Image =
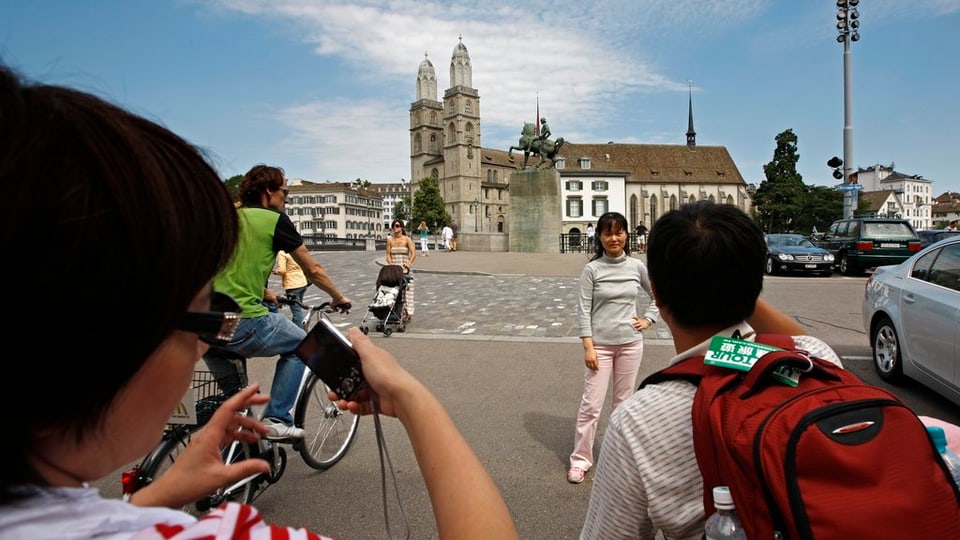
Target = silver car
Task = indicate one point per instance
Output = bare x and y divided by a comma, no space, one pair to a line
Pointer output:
911,312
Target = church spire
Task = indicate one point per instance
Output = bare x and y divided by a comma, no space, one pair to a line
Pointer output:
691,134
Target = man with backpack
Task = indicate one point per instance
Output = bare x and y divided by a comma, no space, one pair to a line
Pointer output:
706,265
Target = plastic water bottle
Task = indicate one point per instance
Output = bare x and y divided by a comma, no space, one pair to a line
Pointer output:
724,523
949,457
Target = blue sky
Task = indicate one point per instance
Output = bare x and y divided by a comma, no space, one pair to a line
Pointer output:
323,88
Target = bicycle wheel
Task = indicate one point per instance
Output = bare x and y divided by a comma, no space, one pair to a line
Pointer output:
328,430
167,453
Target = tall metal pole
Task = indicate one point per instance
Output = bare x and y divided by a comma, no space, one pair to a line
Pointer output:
850,197
847,25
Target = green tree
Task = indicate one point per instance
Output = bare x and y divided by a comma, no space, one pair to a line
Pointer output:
358,183
779,199
428,206
401,209
821,206
233,186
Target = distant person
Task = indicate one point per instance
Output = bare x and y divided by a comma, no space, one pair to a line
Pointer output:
641,237
446,234
293,281
952,226
424,245
590,237
706,264
127,179
453,237
266,231
401,251
610,330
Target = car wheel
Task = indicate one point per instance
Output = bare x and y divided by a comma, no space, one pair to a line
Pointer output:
847,267
770,266
886,351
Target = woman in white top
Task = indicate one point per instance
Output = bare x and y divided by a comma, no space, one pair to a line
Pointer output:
610,330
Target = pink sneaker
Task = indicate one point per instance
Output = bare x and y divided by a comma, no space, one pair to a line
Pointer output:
575,475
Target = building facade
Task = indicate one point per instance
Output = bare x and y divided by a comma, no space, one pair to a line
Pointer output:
335,210
639,180
914,191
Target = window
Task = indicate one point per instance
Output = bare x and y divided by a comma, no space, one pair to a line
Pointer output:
945,270
574,207
560,163
574,185
600,207
585,163
417,144
599,185
433,143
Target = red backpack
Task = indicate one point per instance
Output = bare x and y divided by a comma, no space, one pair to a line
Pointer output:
831,457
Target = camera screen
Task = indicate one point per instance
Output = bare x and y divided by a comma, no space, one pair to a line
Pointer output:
328,354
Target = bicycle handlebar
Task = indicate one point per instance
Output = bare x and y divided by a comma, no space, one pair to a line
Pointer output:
325,307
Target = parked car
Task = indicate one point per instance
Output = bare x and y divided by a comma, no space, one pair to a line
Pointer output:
794,253
911,313
934,235
860,243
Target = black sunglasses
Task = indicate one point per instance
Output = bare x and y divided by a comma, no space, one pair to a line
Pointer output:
216,326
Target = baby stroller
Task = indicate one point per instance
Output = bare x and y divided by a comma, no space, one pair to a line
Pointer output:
387,306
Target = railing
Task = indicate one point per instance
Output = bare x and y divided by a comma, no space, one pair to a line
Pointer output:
326,243
578,243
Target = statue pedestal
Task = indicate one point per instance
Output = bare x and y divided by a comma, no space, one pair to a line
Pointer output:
535,212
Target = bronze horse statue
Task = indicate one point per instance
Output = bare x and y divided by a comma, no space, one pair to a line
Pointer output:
530,144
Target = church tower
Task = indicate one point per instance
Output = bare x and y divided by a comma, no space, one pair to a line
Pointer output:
460,185
426,126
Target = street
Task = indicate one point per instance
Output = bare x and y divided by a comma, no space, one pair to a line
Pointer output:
501,353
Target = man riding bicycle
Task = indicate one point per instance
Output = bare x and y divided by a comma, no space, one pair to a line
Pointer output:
265,229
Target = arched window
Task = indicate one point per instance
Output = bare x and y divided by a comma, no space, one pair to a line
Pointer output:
417,143
433,143
634,210
653,209
435,174
451,134
730,200
433,118
673,202
693,199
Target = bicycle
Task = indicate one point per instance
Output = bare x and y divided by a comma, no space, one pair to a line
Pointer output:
329,430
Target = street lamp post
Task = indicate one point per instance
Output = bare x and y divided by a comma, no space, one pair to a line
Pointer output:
848,24
475,205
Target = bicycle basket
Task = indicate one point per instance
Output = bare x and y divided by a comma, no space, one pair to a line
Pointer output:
207,392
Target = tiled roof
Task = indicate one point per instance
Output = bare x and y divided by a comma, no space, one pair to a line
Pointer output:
657,163
874,200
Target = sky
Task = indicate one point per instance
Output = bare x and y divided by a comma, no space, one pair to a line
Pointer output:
323,88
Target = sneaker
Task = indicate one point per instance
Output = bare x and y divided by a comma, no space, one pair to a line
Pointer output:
575,475
277,430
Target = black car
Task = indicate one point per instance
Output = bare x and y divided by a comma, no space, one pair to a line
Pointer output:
794,253
859,243
934,236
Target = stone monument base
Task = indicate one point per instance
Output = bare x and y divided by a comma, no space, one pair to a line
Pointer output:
535,212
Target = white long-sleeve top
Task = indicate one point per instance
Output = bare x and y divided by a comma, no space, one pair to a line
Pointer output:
611,294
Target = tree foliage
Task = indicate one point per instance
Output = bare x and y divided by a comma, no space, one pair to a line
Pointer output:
428,205
233,186
783,203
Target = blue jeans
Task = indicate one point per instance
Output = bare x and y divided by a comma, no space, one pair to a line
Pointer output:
296,311
270,335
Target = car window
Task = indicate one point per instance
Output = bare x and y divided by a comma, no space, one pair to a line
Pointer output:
887,229
921,267
805,243
946,268
835,228
852,229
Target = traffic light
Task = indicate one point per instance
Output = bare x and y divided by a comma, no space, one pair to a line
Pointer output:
836,163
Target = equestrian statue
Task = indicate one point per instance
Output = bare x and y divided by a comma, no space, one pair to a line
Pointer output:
540,146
